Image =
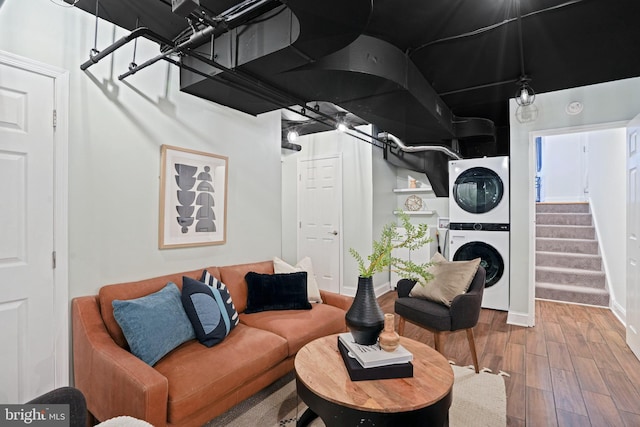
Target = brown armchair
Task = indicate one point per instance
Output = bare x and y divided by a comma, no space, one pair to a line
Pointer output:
438,318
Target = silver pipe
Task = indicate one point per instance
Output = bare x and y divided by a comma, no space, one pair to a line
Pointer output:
416,148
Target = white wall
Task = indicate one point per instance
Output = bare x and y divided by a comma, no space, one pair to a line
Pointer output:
384,176
608,196
564,168
357,197
115,133
604,103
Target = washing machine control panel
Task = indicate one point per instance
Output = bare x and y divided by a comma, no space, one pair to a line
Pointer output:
478,226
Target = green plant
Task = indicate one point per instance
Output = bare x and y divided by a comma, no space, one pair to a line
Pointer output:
390,239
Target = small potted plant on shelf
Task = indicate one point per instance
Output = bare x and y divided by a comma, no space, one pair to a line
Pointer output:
365,318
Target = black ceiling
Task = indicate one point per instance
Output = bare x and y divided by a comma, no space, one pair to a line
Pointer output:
468,51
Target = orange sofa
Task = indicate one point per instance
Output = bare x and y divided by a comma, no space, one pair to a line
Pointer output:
193,383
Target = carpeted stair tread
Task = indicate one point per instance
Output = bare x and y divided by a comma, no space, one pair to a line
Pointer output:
586,278
591,262
555,218
562,207
566,231
571,288
572,293
553,244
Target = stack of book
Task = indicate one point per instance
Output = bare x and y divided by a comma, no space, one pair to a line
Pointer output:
370,362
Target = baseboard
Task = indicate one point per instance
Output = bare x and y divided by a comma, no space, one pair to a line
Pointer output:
520,319
620,312
382,289
379,290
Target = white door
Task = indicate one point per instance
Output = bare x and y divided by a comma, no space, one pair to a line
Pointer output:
633,236
27,353
319,218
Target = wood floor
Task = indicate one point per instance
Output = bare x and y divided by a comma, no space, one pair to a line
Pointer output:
572,369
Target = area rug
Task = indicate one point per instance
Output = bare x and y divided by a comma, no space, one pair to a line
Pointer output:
479,400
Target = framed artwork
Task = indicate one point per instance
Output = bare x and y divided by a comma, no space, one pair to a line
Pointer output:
193,198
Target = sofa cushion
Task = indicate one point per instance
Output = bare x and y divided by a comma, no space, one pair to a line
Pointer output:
450,279
154,324
299,327
131,290
209,308
233,277
276,292
199,376
313,291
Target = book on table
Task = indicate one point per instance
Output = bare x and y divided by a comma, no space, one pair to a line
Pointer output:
371,356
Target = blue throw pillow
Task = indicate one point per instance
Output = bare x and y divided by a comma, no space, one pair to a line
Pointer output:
155,324
209,308
276,292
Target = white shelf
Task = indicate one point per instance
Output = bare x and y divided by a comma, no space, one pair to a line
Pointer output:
396,212
413,190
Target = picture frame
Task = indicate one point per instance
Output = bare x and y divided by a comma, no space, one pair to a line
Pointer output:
193,198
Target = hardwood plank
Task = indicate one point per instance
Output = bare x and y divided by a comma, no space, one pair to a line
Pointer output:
516,396
559,356
569,419
623,393
577,346
614,338
517,335
553,332
514,359
566,392
569,325
536,341
589,375
604,357
541,410
629,363
602,410
538,374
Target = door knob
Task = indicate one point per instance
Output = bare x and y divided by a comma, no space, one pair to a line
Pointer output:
334,232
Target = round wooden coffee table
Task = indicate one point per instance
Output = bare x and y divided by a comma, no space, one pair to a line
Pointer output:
323,383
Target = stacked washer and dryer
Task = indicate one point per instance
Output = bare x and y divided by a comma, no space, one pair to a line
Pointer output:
479,221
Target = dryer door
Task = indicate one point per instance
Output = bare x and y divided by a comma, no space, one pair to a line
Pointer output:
491,260
478,190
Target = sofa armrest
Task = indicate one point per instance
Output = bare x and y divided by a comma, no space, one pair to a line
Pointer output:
113,381
336,300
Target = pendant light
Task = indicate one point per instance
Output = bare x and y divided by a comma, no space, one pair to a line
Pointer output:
524,95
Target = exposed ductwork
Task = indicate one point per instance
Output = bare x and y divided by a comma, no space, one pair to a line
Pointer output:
268,55
420,148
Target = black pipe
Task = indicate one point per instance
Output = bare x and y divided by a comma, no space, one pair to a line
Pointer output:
138,32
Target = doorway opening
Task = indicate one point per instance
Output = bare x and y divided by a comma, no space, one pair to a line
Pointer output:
579,186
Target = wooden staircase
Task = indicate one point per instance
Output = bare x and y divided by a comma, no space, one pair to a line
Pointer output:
568,265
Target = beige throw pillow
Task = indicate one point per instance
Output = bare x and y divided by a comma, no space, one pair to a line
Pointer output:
313,291
450,279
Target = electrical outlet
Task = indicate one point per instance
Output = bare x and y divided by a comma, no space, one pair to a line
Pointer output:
443,222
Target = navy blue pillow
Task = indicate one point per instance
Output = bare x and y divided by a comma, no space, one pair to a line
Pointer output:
209,309
277,292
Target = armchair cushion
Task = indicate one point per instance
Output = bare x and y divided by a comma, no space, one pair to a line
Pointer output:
450,279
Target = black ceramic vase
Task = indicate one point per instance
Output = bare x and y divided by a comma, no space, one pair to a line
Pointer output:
365,319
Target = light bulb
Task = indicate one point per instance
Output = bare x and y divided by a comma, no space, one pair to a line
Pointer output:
292,136
342,127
